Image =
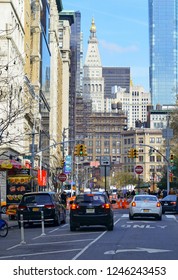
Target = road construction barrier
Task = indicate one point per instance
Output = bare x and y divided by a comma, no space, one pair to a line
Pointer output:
69,199
119,203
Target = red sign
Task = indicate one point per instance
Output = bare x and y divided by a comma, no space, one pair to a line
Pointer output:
62,177
138,169
42,178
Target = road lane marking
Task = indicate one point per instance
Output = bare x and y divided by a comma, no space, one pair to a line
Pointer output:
40,253
170,217
57,242
125,215
70,234
137,249
15,246
91,243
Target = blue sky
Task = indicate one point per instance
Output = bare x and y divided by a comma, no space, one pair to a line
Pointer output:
122,32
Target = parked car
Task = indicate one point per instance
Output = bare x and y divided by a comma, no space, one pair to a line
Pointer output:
91,209
3,207
145,206
170,203
32,204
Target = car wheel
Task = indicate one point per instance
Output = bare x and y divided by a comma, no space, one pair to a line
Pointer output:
73,227
56,220
110,226
3,209
130,217
159,218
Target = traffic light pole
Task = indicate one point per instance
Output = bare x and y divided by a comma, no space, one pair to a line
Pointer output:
166,158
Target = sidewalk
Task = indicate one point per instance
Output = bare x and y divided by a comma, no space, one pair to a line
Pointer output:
11,223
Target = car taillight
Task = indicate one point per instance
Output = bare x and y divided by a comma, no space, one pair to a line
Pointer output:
133,204
22,207
173,202
105,205
74,206
158,204
49,206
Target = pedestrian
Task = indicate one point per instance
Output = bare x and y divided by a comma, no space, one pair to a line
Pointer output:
64,198
133,192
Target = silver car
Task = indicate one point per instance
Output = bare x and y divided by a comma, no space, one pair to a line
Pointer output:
145,206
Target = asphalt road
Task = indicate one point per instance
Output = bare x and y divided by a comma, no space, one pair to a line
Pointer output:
140,239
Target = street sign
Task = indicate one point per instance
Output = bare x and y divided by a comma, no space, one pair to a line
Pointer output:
138,169
105,160
62,177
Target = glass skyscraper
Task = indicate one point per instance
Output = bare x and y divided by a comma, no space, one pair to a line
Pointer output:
163,39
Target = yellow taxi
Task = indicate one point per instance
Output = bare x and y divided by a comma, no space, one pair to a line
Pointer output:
3,207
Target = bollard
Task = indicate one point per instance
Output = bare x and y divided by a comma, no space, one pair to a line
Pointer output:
22,230
42,223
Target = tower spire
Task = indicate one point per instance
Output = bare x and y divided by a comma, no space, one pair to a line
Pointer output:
92,29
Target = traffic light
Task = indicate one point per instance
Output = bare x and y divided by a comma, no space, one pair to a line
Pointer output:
171,158
135,153
62,162
76,151
81,150
85,150
130,153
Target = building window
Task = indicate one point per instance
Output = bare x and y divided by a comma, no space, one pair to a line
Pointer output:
152,168
152,158
140,140
152,140
158,140
98,150
158,158
106,150
106,143
90,151
90,143
140,158
159,168
98,143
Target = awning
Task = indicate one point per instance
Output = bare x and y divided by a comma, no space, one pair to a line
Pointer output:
10,163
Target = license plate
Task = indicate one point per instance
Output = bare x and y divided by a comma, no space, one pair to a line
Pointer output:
35,209
145,210
90,211
165,203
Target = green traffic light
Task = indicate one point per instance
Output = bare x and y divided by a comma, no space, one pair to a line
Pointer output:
81,150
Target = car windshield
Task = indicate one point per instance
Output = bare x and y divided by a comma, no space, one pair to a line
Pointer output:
90,198
146,197
39,199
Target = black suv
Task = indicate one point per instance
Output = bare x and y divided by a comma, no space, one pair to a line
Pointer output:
33,203
91,209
